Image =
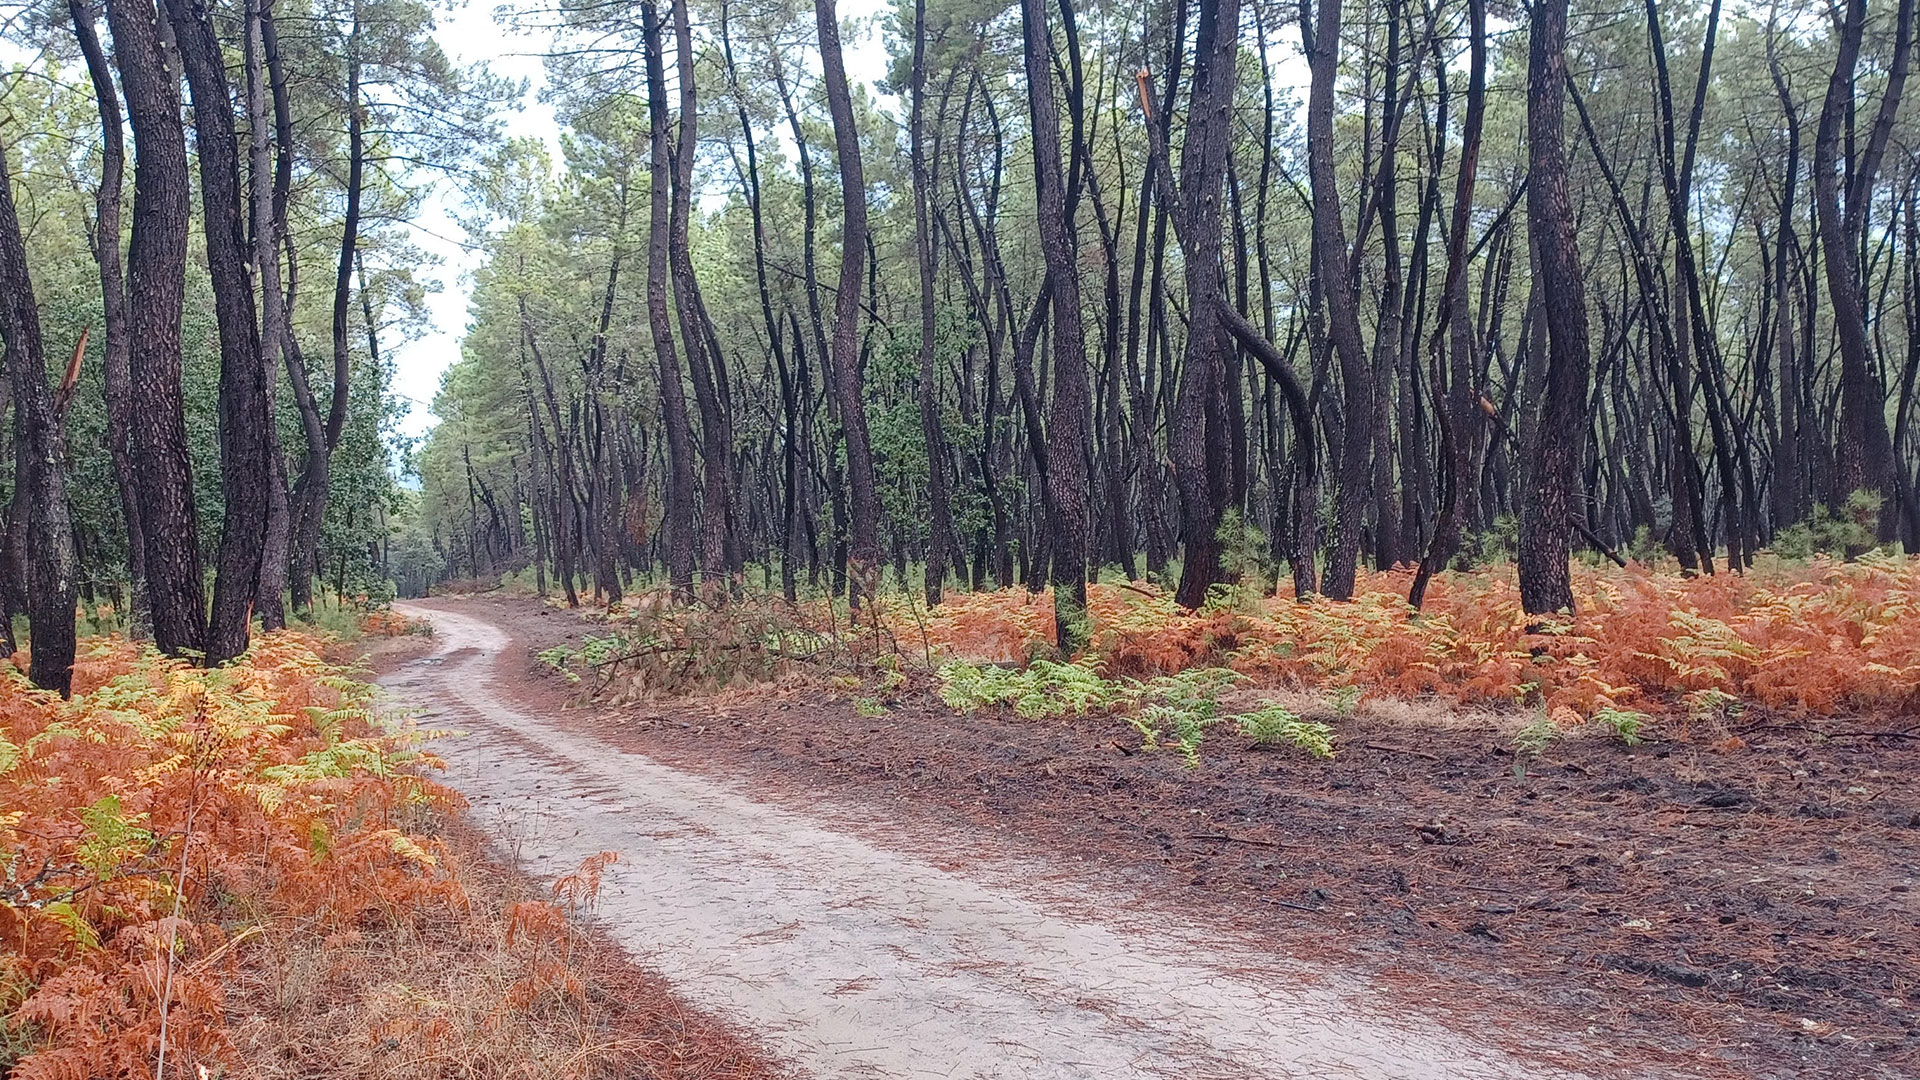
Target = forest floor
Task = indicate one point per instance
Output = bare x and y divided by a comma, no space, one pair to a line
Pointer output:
1673,909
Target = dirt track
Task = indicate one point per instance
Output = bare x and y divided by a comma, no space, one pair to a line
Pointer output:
854,960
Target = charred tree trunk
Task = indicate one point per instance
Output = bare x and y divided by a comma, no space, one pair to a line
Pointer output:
716,428
1866,447
863,557
1342,301
117,372
1067,417
156,268
1545,543
40,469
1455,394
940,527
679,483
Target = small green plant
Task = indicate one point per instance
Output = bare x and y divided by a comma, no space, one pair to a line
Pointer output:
1532,741
1344,700
1625,724
1171,710
1245,559
1539,734
1148,729
1710,705
557,658
869,707
1274,725
1188,730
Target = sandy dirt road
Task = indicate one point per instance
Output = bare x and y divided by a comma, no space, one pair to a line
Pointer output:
848,959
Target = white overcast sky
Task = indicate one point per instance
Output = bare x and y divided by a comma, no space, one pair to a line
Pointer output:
469,33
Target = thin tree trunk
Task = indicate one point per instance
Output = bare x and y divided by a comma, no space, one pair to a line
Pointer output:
940,527
1458,404
113,291
679,508
310,494
269,201
41,472
863,557
716,428
1343,308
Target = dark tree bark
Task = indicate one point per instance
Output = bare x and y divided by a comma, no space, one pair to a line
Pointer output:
310,493
1866,447
1458,398
790,397
1198,439
679,508
40,467
940,527
113,291
156,269
863,557
1545,543
268,225
1789,501
716,427
1067,416
1387,331
245,472
1342,302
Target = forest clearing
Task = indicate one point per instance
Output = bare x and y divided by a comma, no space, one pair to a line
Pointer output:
751,538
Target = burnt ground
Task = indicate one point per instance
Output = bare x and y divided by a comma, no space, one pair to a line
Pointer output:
1737,906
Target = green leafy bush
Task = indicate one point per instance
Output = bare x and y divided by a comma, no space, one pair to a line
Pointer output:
1855,529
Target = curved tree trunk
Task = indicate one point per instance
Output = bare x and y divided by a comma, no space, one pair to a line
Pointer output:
863,556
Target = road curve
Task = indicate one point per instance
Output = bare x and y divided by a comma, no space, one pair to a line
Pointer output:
847,959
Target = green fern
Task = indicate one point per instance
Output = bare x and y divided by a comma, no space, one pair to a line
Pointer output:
1625,724
1274,725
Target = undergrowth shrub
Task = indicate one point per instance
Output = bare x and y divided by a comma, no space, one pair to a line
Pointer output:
386,622
1174,710
1274,725
654,648
158,823
1817,638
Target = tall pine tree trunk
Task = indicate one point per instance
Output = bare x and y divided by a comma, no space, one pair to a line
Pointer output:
41,473
1545,543
156,278
863,556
